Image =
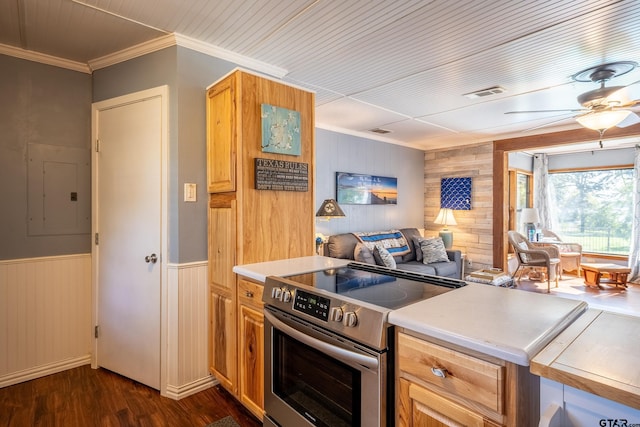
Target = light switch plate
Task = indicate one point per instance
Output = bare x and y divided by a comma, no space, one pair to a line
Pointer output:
189,192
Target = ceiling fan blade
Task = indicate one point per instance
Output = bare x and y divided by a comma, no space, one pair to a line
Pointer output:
579,110
629,104
631,119
546,124
624,94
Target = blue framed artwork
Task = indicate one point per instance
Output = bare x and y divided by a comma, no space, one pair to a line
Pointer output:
358,189
455,193
280,130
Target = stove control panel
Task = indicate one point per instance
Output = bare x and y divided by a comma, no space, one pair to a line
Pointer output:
311,304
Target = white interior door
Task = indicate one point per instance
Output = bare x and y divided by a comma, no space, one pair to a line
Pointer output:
128,221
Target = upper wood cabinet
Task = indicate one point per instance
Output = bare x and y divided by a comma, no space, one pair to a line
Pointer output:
221,136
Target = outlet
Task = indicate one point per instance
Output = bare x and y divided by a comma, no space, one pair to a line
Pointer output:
468,262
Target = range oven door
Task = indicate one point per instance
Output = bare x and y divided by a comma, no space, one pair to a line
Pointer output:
315,378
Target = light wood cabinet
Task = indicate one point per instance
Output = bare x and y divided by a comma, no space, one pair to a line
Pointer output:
247,225
222,308
251,345
221,136
439,384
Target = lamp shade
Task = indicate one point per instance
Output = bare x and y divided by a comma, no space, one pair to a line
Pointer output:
329,208
530,216
601,120
445,217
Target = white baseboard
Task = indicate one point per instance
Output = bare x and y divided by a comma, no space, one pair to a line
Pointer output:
180,392
43,370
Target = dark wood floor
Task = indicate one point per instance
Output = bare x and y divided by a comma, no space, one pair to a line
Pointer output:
97,397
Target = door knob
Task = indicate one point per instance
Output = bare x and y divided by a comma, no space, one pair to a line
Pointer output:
151,258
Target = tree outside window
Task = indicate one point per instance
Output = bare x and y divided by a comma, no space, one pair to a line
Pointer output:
594,208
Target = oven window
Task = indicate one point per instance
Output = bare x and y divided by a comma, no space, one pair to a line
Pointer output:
322,389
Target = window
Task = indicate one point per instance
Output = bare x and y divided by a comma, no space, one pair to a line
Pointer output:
593,208
520,196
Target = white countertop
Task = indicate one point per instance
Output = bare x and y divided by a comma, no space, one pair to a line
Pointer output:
510,324
260,270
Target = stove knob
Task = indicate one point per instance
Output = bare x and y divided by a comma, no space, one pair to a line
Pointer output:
350,319
285,296
336,314
276,293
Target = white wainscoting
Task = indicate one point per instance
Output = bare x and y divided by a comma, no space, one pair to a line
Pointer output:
45,321
188,328
45,316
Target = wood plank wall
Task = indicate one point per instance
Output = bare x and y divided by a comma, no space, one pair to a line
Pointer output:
473,234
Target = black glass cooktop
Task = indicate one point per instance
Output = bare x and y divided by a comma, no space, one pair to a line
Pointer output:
388,288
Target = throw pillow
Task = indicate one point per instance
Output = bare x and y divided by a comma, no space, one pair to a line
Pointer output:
433,250
416,244
383,257
363,254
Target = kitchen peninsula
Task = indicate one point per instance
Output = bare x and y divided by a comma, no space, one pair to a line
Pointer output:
491,333
483,343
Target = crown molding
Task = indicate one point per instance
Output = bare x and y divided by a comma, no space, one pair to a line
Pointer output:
42,58
135,51
227,55
144,49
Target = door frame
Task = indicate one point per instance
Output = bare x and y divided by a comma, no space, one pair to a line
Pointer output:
163,93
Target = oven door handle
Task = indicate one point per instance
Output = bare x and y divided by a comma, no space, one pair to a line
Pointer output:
329,349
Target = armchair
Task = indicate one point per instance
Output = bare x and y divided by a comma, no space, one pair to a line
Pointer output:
528,255
570,253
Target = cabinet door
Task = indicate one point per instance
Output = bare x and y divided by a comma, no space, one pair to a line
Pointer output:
221,136
222,308
251,359
419,407
222,242
222,342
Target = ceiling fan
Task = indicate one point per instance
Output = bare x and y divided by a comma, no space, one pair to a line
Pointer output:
603,107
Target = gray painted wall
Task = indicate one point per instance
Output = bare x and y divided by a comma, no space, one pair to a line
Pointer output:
187,73
46,105
337,152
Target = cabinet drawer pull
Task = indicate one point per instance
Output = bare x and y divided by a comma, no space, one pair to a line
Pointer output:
439,372
248,294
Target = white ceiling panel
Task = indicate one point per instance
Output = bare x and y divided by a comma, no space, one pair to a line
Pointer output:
402,65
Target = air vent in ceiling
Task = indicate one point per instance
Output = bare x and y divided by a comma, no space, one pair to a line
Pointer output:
380,131
485,92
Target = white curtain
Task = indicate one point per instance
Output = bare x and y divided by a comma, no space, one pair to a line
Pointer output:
541,190
634,250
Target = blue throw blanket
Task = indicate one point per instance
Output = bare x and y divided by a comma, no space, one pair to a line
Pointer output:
392,240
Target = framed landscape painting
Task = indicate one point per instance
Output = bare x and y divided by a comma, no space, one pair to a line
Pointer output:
359,189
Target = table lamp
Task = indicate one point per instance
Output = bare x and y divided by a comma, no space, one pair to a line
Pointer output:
530,217
329,209
445,217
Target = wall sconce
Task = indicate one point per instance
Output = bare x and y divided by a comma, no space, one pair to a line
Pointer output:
329,209
445,217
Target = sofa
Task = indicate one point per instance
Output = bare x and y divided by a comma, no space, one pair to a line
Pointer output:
344,246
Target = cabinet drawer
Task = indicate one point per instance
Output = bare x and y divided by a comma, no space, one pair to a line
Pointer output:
465,376
250,292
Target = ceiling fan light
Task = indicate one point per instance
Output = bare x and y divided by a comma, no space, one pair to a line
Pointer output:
601,120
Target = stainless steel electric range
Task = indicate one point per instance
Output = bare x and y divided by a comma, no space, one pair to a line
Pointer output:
328,345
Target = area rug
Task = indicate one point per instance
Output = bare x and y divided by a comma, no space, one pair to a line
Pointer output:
224,422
